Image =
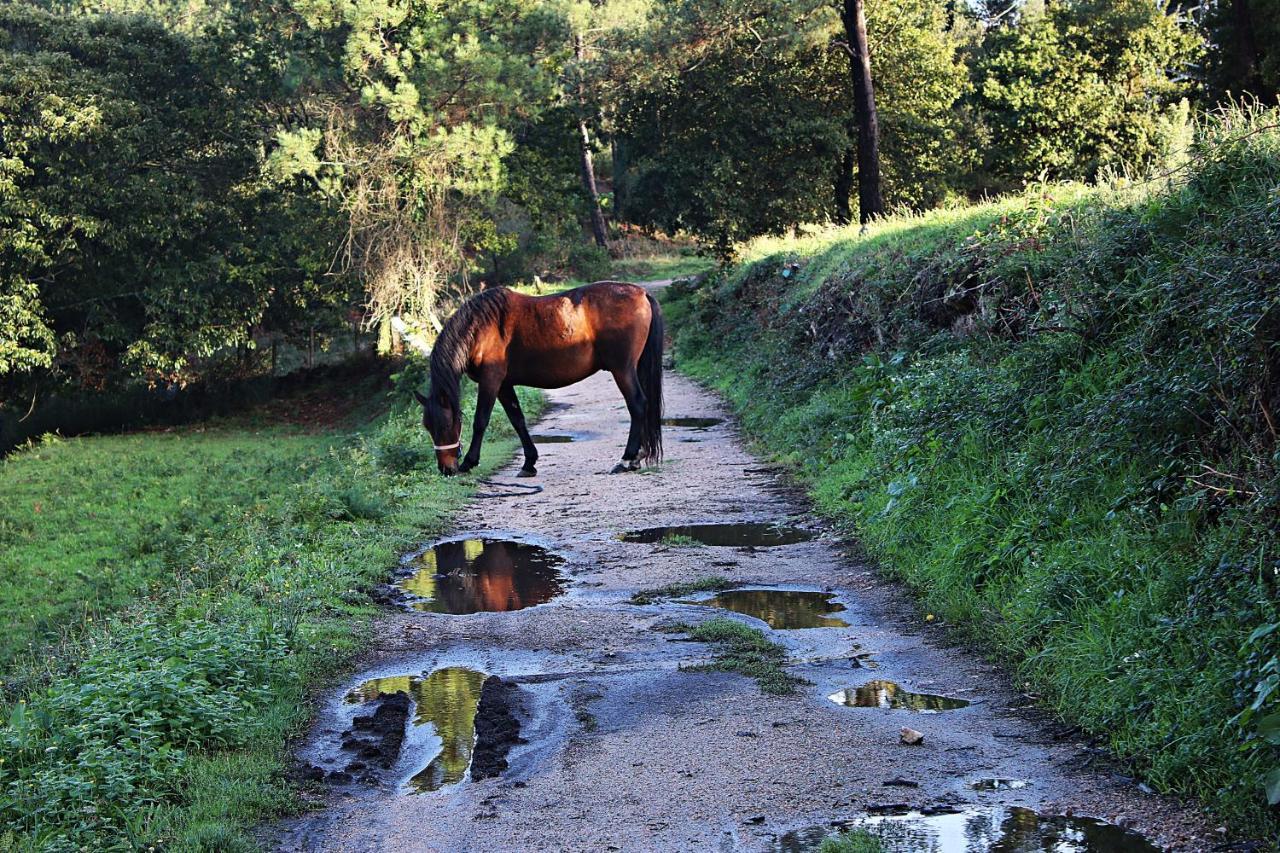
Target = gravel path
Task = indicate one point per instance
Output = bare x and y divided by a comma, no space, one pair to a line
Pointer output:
625,751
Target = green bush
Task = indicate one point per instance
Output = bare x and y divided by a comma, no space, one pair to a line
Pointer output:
1055,416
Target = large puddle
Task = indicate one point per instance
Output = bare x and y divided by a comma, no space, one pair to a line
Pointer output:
780,608
444,714
996,830
759,534
483,575
891,696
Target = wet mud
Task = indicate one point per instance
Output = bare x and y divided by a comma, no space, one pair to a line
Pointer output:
497,728
748,534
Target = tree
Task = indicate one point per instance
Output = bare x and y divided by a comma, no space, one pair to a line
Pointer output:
865,117
1087,85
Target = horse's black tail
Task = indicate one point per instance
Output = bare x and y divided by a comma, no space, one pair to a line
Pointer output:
650,370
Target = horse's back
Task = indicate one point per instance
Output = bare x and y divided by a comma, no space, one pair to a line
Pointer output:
565,337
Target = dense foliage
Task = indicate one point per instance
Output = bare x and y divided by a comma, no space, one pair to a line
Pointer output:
1055,416
181,182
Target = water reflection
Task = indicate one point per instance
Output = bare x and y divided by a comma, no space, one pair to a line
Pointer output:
891,695
781,608
483,575
760,534
446,700
993,830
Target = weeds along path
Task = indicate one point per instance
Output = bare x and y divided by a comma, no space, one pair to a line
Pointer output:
625,747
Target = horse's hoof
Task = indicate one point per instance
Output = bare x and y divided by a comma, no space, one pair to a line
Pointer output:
625,467
528,472
467,466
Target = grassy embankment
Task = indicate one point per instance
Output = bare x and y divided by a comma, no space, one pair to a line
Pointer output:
178,596
1055,417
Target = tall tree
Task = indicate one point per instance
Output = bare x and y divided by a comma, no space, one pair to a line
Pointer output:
588,170
865,117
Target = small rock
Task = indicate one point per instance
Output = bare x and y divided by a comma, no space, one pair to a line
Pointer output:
756,819
900,783
911,737
746,734
339,777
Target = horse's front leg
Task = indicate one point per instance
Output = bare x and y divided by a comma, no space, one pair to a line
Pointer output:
485,398
511,405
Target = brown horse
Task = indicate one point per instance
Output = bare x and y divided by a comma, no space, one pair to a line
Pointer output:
502,339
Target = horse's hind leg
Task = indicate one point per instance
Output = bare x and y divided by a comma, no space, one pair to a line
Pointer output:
629,384
511,405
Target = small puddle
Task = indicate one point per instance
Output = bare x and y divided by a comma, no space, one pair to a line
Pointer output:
998,784
445,701
550,438
1007,830
890,695
759,534
692,423
483,575
780,608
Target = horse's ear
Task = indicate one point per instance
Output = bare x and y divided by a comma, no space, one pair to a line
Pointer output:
418,394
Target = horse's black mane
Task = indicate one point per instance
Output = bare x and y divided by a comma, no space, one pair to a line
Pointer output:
453,347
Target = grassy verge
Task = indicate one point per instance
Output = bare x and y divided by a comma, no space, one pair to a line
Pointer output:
234,563
745,650
679,590
1054,416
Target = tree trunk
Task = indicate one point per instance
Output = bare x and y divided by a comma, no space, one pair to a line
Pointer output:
1246,46
870,202
598,229
843,187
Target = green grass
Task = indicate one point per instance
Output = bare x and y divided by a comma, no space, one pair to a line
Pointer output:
88,526
1054,416
664,266
854,841
710,583
165,721
745,650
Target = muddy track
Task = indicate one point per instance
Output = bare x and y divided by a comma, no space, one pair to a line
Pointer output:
618,748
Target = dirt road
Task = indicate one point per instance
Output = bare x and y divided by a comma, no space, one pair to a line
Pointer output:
625,750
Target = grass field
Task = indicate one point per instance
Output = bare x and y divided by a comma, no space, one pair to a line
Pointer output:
1055,417
180,595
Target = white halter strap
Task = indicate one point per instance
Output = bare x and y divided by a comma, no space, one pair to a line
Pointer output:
453,446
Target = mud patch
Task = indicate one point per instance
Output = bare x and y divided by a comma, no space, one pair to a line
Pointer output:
549,438
482,575
375,738
497,727
781,608
692,423
755,534
891,696
1007,830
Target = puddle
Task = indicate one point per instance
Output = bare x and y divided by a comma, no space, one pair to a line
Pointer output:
692,423
998,784
483,575
890,695
1006,830
549,438
760,534
444,717
780,608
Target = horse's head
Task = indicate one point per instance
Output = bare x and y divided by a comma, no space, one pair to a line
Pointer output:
443,422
